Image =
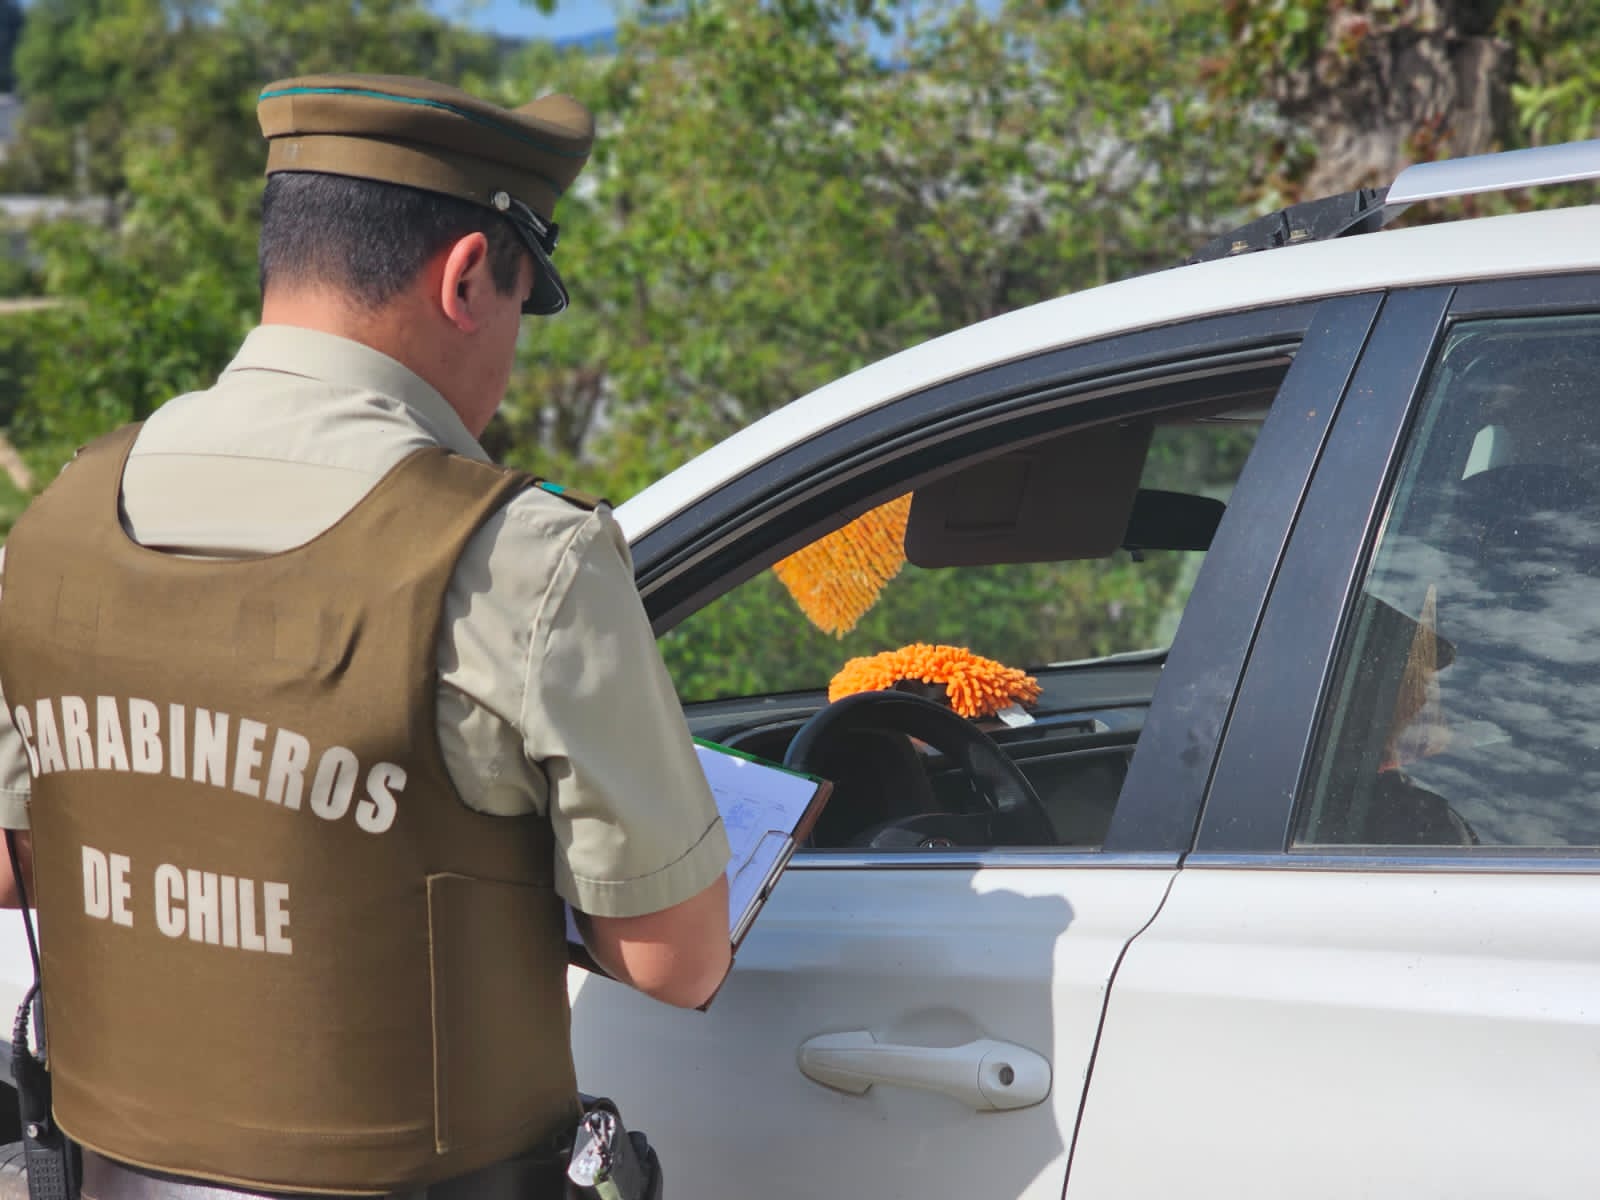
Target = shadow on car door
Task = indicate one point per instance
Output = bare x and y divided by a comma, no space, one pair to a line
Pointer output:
880,1019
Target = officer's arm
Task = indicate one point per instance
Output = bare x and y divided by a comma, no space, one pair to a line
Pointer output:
678,955
9,897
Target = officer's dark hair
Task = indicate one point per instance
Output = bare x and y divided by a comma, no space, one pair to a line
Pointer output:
369,239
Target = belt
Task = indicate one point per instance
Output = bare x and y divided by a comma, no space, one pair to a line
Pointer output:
525,1178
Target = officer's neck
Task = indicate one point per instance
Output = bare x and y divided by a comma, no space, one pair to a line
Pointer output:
401,329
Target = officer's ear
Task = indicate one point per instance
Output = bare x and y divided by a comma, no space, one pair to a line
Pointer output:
466,282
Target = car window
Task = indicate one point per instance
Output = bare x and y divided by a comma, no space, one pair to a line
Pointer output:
1465,710
1069,621
756,639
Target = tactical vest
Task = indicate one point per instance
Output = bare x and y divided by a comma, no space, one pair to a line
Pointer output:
279,952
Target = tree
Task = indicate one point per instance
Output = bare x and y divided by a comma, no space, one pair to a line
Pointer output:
772,204
104,78
1556,89
1373,85
783,205
157,301
79,64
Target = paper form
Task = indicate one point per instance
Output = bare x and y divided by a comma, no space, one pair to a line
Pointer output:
760,805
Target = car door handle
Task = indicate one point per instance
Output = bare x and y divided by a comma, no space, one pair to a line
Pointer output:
986,1075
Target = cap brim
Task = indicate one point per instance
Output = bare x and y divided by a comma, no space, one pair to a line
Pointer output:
549,295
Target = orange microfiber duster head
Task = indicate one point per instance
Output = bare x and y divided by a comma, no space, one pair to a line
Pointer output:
837,578
975,686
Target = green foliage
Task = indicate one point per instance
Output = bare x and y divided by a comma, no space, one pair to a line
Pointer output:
108,81
20,333
1319,36
12,502
1286,46
18,276
158,301
754,640
771,206
131,340
1557,91
78,64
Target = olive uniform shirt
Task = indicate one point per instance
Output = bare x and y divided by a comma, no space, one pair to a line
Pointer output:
552,695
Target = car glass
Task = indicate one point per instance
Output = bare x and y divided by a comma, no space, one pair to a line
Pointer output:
1464,710
756,640
1092,631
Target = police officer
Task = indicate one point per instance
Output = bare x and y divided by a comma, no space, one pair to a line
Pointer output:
317,717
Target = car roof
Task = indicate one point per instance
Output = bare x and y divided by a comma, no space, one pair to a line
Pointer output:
1561,240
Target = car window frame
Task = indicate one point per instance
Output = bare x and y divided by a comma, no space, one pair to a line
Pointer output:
774,507
1265,758
1183,729
1159,804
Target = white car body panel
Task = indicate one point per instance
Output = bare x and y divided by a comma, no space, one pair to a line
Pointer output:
16,971
917,956
1521,244
1424,1035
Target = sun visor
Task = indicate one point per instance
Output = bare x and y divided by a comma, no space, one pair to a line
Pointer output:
1069,497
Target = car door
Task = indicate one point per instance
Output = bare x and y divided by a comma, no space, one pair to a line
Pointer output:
1377,973
922,1023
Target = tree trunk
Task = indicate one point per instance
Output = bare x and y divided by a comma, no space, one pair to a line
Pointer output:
1386,92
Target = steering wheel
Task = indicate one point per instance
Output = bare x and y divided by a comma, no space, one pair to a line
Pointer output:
1010,814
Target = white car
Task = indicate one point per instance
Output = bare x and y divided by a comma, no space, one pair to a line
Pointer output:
1297,894
1288,882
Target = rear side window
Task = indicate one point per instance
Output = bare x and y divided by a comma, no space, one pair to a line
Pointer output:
1465,709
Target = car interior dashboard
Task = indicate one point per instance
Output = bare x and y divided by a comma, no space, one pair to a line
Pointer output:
1074,752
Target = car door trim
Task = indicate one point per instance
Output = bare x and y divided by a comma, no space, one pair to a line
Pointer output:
1265,746
694,540
1540,296
1443,860
1160,800
995,860
792,515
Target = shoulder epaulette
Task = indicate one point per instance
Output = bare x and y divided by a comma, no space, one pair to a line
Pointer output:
581,499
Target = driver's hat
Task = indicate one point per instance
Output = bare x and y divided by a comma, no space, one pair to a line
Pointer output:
397,129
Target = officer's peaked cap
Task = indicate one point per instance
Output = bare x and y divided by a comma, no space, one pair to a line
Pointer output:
396,129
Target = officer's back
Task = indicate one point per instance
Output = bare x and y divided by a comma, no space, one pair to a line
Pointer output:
318,718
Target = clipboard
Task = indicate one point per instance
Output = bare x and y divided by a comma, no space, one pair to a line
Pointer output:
767,810
760,854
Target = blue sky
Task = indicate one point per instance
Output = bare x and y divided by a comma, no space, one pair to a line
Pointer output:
571,18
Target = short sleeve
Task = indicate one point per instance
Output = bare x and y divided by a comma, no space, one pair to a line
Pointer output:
15,785
636,827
